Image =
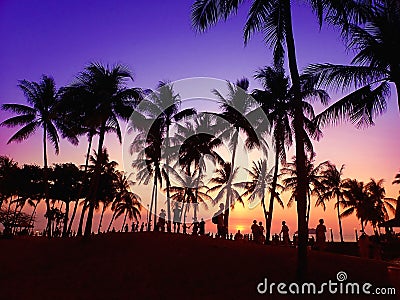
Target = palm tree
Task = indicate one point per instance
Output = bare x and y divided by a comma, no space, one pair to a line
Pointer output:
188,191
313,176
355,200
375,65
65,187
238,110
148,164
223,181
332,186
8,170
381,204
163,106
273,18
276,100
261,181
104,89
43,112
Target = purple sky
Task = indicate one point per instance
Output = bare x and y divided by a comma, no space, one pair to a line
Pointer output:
156,41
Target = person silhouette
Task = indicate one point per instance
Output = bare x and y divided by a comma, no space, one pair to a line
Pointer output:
126,228
177,218
320,235
220,223
285,234
142,227
202,227
255,230
161,220
261,233
195,224
238,236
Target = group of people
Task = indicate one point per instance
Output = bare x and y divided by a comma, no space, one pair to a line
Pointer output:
320,233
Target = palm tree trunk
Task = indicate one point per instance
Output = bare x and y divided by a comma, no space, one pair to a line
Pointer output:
168,184
95,182
268,215
308,206
64,233
228,190
32,215
101,217
72,217
340,220
155,204
301,191
151,204
123,223
80,226
112,220
46,181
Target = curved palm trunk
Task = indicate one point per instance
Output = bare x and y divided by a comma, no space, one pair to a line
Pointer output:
95,182
155,204
151,204
301,192
112,220
268,215
46,181
32,215
101,217
168,185
72,217
123,223
64,233
80,226
340,220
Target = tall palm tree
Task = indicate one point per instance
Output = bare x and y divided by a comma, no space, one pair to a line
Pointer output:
223,183
163,106
332,186
148,163
375,65
43,98
239,111
276,100
262,181
273,18
313,176
129,206
109,99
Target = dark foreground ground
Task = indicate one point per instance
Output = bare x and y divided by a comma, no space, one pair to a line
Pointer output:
163,266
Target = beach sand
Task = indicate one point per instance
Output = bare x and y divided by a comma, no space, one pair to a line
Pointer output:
165,266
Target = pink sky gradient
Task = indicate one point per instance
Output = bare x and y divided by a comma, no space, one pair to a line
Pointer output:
157,43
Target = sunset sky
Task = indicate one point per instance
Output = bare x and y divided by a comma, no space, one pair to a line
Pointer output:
156,41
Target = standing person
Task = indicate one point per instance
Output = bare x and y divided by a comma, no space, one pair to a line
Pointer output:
142,227
126,228
133,227
195,225
177,218
202,227
255,230
220,221
285,234
161,220
261,238
320,235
